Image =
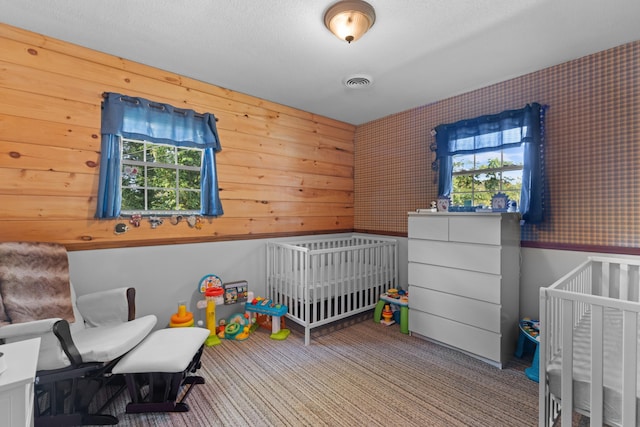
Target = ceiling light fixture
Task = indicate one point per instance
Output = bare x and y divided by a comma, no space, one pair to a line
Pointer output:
350,19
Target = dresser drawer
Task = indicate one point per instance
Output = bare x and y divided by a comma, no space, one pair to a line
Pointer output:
432,227
481,229
467,256
480,314
468,338
470,284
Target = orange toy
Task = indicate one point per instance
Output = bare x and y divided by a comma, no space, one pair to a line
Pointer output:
387,314
182,318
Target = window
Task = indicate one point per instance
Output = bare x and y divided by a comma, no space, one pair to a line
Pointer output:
159,178
477,158
478,176
156,158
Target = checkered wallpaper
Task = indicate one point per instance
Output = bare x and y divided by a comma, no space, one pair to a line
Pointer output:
593,193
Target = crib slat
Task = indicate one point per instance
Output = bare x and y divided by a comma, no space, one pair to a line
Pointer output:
318,277
362,256
624,282
303,292
566,392
543,394
634,284
597,360
605,279
629,367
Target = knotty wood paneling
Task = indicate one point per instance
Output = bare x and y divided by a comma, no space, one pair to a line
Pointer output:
281,171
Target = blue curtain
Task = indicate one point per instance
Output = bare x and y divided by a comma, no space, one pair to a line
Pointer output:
138,118
510,128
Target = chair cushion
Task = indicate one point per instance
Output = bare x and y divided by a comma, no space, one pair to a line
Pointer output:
106,343
31,273
166,350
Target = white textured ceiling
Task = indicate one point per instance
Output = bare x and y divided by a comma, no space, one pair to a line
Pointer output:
418,51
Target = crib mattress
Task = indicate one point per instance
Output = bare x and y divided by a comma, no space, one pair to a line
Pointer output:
612,376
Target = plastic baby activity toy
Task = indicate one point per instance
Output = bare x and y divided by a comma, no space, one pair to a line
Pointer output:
276,311
258,312
211,286
182,318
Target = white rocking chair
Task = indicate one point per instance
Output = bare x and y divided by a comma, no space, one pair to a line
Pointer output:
81,338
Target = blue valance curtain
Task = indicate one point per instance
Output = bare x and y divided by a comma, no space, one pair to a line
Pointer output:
510,128
138,118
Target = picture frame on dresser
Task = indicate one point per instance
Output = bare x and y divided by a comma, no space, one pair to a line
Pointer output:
443,204
499,202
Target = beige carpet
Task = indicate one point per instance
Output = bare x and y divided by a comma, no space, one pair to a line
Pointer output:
355,374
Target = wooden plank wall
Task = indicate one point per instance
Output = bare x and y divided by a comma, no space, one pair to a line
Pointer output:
281,171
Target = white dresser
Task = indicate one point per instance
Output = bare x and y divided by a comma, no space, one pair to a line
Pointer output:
464,281
16,382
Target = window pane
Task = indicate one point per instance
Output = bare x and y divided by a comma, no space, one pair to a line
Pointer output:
163,200
489,172
189,200
189,179
132,150
459,199
132,176
132,199
512,184
462,183
157,175
513,156
480,182
489,181
161,177
511,180
490,160
161,154
189,157
462,162
482,198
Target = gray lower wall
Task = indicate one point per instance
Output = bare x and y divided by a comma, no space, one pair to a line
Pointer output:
165,275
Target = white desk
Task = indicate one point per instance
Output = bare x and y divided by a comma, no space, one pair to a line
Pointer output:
16,383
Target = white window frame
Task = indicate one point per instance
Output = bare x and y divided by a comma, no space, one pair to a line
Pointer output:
473,172
144,164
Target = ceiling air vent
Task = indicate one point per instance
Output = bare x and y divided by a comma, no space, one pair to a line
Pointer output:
359,81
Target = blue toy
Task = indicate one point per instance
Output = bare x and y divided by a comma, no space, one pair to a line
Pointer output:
269,308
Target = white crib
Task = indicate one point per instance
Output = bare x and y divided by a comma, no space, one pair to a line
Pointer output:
324,280
589,339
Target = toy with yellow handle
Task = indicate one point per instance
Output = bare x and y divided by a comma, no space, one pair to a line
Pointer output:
212,294
211,286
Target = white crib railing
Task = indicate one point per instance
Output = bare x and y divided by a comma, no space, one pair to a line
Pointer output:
597,284
323,280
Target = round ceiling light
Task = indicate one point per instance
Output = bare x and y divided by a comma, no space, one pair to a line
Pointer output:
350,19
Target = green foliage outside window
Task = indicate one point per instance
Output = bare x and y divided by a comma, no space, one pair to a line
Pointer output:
477,177
158,177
